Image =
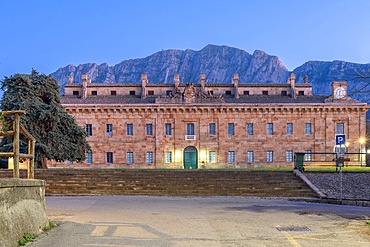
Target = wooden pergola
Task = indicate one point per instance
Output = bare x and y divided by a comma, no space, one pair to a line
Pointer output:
16,155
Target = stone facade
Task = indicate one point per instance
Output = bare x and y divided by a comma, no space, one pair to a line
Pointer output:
195,125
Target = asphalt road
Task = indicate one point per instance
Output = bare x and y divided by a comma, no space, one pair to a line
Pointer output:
114,221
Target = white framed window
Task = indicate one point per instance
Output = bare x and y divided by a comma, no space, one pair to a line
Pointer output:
88,129
270,129
289,129
109,130
212,129
168,157
168,127
89,158
270,156
230,157
130,157
149,157
149,129
308,155
250,129
250,156
230,129
110,157
308,128
130,129
190,129
289,156
212,156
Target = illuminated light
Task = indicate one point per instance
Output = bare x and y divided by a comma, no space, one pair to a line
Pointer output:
362,140
368,151
203,155
178,156
347,144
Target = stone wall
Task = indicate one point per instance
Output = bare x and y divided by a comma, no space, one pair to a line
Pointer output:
22,209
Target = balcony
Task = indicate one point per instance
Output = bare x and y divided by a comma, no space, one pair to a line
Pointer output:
190,137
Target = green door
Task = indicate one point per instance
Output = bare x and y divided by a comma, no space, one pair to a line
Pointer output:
190,158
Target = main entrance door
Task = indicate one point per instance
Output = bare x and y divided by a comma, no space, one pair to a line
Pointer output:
190,158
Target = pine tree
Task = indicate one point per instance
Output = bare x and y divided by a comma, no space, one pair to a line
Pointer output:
58,137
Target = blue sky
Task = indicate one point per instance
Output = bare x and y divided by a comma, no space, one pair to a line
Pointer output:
46,35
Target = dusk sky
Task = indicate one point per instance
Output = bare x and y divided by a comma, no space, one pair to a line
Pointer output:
46,35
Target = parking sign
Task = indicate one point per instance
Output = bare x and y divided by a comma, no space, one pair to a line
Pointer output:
340,139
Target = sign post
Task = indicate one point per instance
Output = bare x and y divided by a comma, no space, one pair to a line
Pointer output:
340,150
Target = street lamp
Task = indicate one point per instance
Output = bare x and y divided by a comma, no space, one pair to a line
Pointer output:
362,141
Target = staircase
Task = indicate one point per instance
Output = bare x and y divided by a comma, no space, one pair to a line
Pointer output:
170,182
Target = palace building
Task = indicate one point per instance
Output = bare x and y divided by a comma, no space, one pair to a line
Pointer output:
198,125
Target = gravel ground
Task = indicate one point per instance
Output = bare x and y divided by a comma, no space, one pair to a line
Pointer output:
354,185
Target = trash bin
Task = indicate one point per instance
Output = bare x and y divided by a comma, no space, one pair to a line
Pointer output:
298,161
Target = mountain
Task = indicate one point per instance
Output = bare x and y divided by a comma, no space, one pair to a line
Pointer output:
219,63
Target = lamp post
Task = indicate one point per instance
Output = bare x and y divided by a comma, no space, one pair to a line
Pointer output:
362,141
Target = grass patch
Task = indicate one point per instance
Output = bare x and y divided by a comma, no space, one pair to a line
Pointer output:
27,238
333,169
368,223
30,237
51,225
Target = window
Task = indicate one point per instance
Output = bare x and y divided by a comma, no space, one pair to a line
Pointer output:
109,130
89,129
212,129
76,93
190,129
284,93
212,157
230,157
270,156
89,158
230,129
109,157
130,130
168,157
289,129
132,92
149,157
301,93
340,128
250,129
250,156
308,155
289,156
168,129
308,129
169,92
211,92
150,92
265,92
149,129
270,129
246,92
94,92
130,157
228,92
113,92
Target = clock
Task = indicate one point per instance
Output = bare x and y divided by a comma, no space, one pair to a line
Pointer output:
339,93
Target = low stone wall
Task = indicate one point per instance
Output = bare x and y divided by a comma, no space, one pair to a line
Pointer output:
22,209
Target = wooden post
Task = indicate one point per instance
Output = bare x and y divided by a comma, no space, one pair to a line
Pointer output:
16,146
31,161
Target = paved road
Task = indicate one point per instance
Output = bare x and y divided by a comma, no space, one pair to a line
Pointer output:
117,221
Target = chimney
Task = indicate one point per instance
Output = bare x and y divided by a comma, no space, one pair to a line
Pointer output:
235,82
144,82
202,82
176,79
70,79
291,81
84,85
